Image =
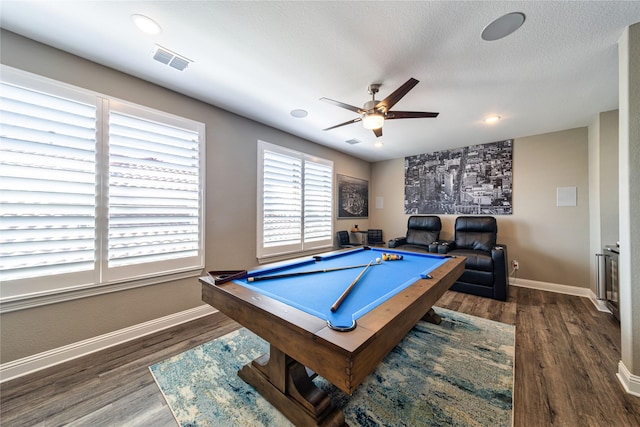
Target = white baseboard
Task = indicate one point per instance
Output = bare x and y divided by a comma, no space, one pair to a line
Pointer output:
551,287
630,382
36,362
601,305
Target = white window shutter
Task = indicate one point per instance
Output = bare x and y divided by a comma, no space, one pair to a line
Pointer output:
318,207
281,201
47,184
154,199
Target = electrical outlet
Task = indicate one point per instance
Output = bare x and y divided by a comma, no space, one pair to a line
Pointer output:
515,264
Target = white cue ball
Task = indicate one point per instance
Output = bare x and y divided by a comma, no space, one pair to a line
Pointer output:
378,260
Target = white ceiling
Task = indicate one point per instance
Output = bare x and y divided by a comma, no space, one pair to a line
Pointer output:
263,59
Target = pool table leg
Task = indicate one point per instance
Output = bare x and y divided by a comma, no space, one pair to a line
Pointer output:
286,384
432,317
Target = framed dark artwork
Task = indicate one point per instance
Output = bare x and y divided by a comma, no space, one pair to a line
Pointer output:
353,197
473,180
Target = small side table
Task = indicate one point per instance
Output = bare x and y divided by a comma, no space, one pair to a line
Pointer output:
363,235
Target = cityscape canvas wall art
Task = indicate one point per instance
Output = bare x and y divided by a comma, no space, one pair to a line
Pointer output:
473,180
353,197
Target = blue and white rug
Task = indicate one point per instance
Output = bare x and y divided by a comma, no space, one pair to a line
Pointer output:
458,373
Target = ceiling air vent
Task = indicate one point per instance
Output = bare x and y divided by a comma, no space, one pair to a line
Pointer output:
353,141
169,58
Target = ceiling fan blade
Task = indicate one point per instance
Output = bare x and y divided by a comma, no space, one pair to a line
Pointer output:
409,115
397,95
378,132
356,120
342,105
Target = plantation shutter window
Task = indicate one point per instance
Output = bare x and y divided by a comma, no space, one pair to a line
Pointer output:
318,192
47,185
154,192
94,191
282,195
295,201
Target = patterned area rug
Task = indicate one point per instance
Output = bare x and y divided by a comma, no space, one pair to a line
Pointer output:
458,373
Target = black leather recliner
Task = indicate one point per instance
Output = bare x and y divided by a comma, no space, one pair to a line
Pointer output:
423,233
486,269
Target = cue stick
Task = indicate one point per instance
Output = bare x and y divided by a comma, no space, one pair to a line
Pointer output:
336,304
302,273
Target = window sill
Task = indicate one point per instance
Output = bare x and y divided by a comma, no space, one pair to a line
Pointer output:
23,302
293,255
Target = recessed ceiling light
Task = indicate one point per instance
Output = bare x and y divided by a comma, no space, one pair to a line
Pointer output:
379,143
503,26
146,24
492,119
299,114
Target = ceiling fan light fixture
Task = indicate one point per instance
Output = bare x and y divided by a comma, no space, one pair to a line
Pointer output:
374,113
372,121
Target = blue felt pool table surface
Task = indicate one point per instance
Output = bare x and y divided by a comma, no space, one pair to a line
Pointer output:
316,293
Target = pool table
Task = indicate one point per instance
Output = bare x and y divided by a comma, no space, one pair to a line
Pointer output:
292,311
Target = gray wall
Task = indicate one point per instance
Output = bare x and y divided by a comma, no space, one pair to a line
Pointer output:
231,200
551,243
609,200
603,189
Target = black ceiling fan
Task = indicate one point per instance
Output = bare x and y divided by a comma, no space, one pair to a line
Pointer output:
374,113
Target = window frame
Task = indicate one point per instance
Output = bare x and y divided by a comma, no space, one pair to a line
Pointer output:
31,292
262,252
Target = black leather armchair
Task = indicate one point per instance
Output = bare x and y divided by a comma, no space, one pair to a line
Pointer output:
423,233
344,240
486,269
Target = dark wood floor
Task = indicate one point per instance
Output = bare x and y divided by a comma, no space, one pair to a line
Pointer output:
566,360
